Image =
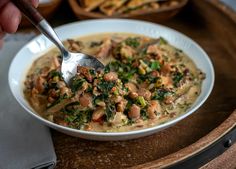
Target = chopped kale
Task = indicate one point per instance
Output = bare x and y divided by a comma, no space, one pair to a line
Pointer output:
132,42
162,41
144,114
92,72
55,73
105,86
61,97
94,44
177,77
160,94
76,84
89,89
141,101
155,65
101,97
79,118
110,111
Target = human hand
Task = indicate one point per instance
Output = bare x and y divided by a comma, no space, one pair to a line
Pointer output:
10,17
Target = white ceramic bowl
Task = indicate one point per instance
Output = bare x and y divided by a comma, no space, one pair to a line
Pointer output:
34,49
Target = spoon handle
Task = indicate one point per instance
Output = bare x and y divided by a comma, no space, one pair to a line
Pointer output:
40,23
29,11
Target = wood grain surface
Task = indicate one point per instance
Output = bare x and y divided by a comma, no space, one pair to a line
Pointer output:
213,26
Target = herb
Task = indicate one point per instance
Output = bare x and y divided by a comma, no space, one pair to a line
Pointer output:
110,111
177,77
141,101
105,86
160,94
69,109
149,77
92,72
162,41
107,68
132,42
79,118
101,97
76,84
126,76
144,114
155,65
61,97
55,73
70,118
94,44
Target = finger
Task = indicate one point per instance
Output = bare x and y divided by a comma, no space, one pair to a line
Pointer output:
35,3
10,18
3,2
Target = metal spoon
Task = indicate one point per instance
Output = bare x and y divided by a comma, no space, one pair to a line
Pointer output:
70,61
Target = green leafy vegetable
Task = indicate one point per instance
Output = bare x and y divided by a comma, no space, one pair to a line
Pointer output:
133,42
160,94
110,111
162,41
76,84
177,77
105,86
141,101
79,118
155,65
144,114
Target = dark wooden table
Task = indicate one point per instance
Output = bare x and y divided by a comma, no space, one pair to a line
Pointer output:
213,26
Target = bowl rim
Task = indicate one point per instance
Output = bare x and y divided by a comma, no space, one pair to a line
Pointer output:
153,128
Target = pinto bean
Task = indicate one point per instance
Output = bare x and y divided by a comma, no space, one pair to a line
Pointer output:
134,112
154,49
117,99
98,114
145,93
105,49
133,95
85,71
111,76
51,100
39,84
61,84
65,90
153,108
85,100
131,87
127,51
166,69
167,81
121,106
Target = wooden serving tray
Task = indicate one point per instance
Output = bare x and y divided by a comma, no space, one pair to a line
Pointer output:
213,26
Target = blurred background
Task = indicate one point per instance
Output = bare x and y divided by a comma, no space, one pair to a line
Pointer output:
60,11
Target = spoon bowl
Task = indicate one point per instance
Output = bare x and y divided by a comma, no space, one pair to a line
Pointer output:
70,61
69,65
